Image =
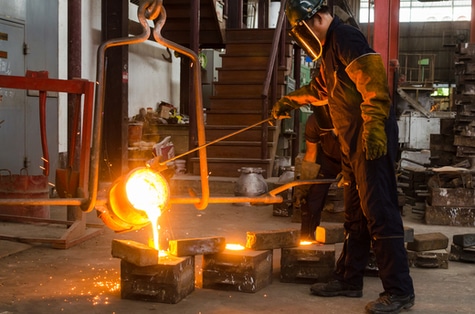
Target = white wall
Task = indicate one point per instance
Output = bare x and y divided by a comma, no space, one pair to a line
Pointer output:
62,74
151,78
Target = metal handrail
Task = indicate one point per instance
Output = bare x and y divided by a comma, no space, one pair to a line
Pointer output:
274,50
271,68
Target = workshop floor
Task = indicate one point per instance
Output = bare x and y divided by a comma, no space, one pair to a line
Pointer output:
86,278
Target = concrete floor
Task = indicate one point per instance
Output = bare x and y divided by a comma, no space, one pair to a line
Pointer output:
86,278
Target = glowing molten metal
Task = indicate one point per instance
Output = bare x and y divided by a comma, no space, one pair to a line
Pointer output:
148,191
234,247
137,200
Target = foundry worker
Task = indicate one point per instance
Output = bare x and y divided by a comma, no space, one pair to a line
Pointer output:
320,161
352,80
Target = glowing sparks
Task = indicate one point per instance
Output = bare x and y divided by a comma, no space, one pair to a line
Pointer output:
306,242
109,285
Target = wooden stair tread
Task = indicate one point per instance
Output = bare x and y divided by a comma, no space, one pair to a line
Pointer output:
239,143
233,111
236,82
242,97
281,68
234,160
232,127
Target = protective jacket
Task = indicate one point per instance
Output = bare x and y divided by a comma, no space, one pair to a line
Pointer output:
352,80
345,47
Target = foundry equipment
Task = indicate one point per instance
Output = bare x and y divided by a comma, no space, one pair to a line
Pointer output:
119,210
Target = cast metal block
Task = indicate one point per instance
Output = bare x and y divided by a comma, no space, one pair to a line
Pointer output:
242,270
171,280
307,263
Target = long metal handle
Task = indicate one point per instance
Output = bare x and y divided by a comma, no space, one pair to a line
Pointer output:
217,140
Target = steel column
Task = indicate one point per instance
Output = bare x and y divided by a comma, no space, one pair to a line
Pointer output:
386,33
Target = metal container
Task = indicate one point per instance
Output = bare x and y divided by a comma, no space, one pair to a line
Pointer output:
284,209
135,130
24,186
288,175
250,182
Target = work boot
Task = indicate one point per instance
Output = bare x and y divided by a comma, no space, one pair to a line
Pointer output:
336,288
390,304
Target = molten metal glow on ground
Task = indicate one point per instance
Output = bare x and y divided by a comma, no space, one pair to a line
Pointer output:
234,247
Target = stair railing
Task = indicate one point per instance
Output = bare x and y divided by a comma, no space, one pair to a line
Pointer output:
271,76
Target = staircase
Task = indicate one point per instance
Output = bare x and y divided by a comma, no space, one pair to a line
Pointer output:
210,28
178,26
238,99
237,103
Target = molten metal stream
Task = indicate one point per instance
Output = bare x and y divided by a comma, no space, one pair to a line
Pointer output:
149,192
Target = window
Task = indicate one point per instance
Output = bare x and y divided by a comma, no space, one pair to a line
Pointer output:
423,11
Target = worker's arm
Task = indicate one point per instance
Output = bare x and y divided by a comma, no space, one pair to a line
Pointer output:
314,92
310,152
369,75
309,168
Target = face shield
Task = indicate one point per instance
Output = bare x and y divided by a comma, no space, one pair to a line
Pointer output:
307,40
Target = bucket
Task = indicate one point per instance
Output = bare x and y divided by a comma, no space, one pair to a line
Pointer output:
250,183
135,132
180,166
19,186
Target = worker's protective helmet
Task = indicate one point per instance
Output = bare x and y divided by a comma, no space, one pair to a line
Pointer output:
298,12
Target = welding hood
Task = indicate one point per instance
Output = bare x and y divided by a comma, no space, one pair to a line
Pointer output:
298,12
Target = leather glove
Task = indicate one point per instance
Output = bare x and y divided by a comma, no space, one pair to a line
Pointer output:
369,75
300,195
307,94
282,108
375,142
308,171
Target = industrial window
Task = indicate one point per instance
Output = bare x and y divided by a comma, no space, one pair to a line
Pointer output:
423,10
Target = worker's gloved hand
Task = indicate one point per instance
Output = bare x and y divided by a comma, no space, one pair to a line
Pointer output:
342,181
307,94
369,75
375,142
282,108
299,196
308,171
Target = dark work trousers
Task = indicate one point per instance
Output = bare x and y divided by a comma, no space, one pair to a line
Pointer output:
317,195
373,219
